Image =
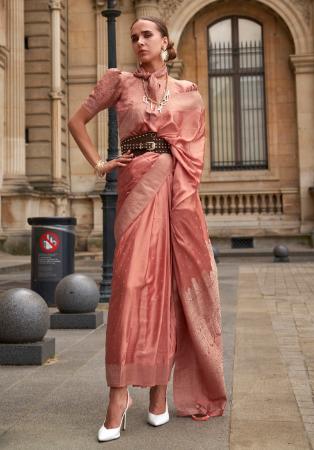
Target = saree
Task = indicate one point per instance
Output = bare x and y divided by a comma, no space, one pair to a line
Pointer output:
164,311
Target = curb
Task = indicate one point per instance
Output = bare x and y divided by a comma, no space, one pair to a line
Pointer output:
19,267
268,253
234,253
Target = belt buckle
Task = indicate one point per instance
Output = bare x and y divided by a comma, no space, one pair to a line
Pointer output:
153,145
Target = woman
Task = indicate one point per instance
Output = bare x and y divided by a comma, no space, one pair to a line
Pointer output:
164,308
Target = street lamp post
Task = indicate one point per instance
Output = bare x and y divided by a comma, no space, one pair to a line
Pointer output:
109,194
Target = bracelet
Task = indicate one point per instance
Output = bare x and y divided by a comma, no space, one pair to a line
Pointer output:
98,166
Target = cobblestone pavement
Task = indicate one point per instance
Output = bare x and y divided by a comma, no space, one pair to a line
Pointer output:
268,336
274,360
289,294
61,404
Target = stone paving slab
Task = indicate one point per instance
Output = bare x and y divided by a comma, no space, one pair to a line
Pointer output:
272,397
268,338
61,405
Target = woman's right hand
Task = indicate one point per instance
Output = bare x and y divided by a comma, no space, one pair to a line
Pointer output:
121,160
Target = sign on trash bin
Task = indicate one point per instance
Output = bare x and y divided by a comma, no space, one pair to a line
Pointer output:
49,242
53,244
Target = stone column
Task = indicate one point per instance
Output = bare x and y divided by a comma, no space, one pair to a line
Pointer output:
304,75
3,63
146,8
102,116
3,58
95,237
56,96
14,159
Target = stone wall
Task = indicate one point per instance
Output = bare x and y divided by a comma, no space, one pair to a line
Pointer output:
65,55
282,175
37,89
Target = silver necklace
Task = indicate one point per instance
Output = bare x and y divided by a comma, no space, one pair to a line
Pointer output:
151,101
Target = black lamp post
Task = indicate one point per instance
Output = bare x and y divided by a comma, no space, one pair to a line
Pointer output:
109,194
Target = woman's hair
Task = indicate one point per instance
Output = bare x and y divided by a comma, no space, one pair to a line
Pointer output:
162,27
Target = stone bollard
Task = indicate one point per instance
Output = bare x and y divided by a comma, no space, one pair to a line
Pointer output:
24,321
281,253
76,297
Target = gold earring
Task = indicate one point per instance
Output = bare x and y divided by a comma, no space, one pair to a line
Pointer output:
164,55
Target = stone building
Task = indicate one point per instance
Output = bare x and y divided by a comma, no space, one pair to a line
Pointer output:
253,61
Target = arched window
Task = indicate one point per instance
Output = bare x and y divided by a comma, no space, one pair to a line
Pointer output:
236,91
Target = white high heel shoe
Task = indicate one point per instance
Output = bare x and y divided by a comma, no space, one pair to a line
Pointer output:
108,434
158,419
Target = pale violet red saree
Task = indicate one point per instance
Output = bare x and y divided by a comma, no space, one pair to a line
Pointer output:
164,311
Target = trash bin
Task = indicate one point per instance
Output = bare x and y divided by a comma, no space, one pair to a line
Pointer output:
53,244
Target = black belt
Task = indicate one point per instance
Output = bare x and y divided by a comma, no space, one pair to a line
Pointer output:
146,142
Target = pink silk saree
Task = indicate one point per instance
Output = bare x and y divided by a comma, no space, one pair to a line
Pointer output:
164,311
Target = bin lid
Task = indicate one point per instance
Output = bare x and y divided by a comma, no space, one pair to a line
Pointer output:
55,220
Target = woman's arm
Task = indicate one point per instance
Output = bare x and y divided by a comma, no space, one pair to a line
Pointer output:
77,128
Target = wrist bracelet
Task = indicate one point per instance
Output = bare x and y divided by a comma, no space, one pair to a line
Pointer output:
98,166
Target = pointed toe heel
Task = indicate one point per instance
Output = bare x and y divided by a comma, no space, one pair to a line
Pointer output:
158,419
108,434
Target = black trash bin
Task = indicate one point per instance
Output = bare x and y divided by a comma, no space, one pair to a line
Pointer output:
53,244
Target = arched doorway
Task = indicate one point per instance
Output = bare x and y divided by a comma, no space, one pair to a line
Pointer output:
238,54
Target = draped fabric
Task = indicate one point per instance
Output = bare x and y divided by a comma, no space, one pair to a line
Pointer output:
164,311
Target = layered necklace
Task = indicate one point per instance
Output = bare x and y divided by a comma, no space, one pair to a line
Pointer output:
151,101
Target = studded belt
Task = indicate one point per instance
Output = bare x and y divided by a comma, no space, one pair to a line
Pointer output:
146,142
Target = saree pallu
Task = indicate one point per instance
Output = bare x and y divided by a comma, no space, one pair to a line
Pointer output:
164,311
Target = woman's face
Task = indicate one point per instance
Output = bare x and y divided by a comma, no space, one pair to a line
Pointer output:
147,41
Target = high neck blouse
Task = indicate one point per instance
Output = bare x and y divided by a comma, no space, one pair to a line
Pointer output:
153,80
124,91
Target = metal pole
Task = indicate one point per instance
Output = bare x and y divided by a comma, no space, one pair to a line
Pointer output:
109,194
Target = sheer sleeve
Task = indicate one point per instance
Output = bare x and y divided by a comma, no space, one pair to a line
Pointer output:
106,92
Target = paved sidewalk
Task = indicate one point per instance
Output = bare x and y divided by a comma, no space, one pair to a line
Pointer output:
61,405
268,336
274,358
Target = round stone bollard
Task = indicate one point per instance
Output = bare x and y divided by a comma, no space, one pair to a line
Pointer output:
24,316
76,293
281,253
216,254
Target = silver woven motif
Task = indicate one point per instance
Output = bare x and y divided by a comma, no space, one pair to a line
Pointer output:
162,102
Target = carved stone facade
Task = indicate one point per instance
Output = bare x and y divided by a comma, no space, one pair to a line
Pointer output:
147,8
52,52
167,8
305,7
